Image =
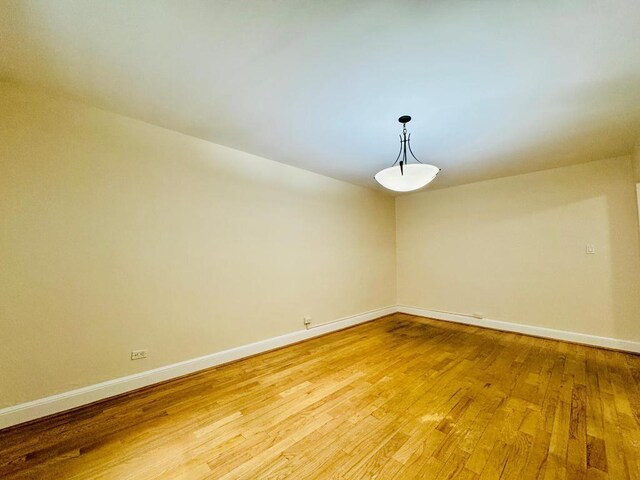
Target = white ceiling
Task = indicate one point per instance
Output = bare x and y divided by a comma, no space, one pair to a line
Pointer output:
495,87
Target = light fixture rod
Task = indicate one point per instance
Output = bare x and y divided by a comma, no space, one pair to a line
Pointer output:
405,143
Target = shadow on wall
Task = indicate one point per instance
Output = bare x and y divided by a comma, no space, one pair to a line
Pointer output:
17,21
625,252
514,249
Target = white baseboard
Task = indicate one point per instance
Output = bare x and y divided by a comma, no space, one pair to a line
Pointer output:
607,342
25,412
82,396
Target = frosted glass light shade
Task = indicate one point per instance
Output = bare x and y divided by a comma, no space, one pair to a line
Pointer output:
416,175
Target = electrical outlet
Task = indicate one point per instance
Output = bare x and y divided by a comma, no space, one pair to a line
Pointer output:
307,320
138,354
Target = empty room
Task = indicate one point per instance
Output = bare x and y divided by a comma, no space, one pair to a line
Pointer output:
304,239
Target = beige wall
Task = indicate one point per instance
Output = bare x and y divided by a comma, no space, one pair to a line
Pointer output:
636,169
636,161
118,235
513,249
638,201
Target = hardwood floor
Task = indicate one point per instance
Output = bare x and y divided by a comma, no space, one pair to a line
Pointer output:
399,397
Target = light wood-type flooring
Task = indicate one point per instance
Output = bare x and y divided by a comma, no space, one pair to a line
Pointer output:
399,397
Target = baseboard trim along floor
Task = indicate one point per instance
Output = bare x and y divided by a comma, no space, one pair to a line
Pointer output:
43,407
573,337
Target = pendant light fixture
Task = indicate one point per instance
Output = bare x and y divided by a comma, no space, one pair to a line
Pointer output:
405,177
